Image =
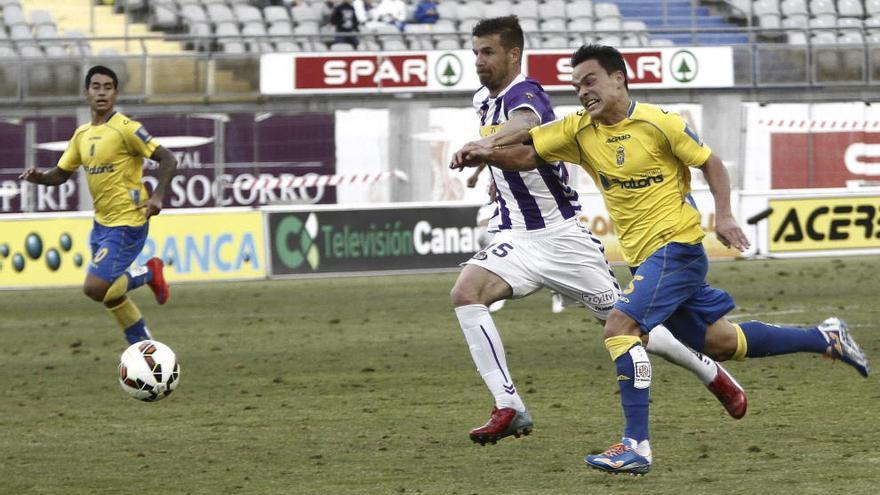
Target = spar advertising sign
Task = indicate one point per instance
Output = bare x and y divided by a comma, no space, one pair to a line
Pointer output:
443,71
402,237
799,146
367,72
691,67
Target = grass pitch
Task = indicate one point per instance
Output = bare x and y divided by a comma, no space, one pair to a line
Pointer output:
365,386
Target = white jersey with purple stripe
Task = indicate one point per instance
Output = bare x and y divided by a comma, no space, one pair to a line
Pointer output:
530,200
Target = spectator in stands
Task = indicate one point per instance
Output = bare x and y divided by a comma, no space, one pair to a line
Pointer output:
391,12
345,20
363,9
426,12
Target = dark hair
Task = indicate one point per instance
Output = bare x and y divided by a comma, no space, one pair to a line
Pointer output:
100,69
607,56
507,27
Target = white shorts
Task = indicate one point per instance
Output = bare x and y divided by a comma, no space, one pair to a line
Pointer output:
566,258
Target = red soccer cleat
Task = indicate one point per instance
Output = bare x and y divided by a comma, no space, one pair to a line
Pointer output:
158,285
503,423
729,393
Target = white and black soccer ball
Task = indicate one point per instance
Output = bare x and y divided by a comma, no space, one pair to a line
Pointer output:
148,370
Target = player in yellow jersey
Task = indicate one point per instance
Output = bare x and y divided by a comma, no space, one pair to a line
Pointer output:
638,155
111,149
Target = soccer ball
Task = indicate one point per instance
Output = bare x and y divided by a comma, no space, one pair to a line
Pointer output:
148,370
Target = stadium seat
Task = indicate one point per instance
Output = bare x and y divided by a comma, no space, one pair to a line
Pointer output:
341,47
769,20
447,11
394,45
610,40
795,22
470,11
872,7
447,44
248,15
286,46
797,38
872,25
554,26
849,25
579,9
13,16
607,24
850,8
220,14
873,39
824,38
580,25
765,7
257,42
41,17
498,8
791,8
851,38
530,25
661,42
445,26
163,16
276,14
306,12
551,9
606,11
525,9
418,36
635,33
822,7
554,42
79,46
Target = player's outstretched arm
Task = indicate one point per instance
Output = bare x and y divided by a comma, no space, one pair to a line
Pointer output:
516,129
726,229
515,157
52,177
167,167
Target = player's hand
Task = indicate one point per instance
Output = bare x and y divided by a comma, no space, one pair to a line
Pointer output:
152,207
470,155
730,234
32,175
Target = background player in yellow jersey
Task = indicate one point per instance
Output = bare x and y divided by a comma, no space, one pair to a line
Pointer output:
638,156
110,150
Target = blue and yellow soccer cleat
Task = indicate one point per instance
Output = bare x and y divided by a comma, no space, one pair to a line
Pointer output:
621,458
842,346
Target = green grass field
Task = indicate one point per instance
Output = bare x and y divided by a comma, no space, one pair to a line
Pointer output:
365,385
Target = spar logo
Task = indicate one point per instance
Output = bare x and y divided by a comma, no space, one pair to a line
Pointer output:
295,241
684,66
449,69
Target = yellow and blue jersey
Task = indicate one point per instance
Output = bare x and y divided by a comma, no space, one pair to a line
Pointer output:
641,166
111,155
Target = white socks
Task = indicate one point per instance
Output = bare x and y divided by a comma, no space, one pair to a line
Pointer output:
487,352
662,343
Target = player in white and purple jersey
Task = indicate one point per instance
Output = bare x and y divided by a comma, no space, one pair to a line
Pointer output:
538,241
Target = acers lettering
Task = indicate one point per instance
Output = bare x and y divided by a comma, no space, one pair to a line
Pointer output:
839,223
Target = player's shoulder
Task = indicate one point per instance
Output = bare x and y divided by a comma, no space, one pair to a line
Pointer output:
480,95
122,121
654,114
